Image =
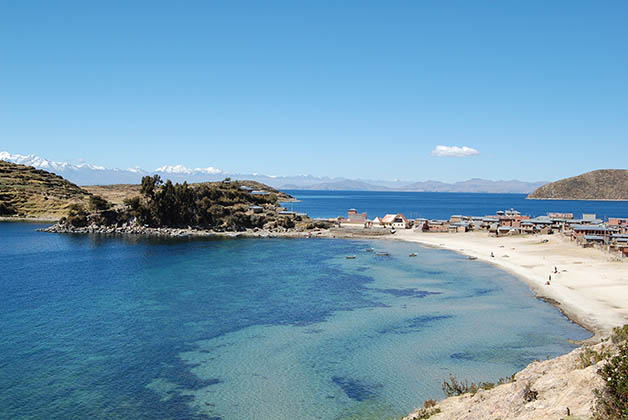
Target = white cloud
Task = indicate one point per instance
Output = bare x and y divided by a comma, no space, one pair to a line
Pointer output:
454,151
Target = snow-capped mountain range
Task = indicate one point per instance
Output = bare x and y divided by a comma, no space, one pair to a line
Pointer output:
87,174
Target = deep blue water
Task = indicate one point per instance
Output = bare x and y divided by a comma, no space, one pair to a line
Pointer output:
324,204
132,328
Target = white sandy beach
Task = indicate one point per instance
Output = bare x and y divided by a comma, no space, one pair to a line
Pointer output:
591,288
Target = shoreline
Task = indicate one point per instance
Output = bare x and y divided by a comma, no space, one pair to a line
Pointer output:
619,200
530,259
28,219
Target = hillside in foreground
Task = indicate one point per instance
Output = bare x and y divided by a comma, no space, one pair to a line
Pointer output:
29,192
603,184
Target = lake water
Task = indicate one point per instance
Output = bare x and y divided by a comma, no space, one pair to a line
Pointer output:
324,204
95,327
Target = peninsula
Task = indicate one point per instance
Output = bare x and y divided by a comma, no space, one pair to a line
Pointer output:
603,184
165,208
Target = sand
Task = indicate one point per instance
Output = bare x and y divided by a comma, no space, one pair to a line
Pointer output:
591,287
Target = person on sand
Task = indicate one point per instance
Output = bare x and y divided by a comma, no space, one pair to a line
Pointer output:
492,255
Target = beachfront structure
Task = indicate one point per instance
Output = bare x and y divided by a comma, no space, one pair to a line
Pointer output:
590,240
354,219
508,231
260,193
435,226
377,223
459,227
619,244
509,218
456,218
580,231
397,221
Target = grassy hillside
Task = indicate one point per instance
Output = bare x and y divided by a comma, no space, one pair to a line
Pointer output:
603,184
117,193
29,192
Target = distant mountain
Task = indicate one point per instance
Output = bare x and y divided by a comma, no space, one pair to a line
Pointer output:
344,185
86,174
603,184
476,185
83,174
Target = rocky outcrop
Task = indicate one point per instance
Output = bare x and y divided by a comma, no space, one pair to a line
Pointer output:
134,229
550,389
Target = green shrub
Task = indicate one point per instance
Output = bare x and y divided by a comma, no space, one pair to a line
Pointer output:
612,402
613,399
620,334
77,216
98,203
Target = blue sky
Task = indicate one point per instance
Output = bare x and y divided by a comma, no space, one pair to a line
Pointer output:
356,89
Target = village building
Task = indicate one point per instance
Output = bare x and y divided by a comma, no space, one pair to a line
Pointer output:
579,231
377,223
620,223
488,221
619,244
397,221
590,240
256,209
508,231
436,226
354,219
459,227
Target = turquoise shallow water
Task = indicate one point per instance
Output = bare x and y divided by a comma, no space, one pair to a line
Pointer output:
129,328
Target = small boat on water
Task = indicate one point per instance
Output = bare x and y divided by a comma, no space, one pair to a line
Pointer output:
382,254
369,250
350,257
412,254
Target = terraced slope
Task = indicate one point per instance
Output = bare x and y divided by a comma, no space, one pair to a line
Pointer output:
29,192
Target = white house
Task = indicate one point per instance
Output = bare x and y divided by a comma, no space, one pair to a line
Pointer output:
397,221
377,223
